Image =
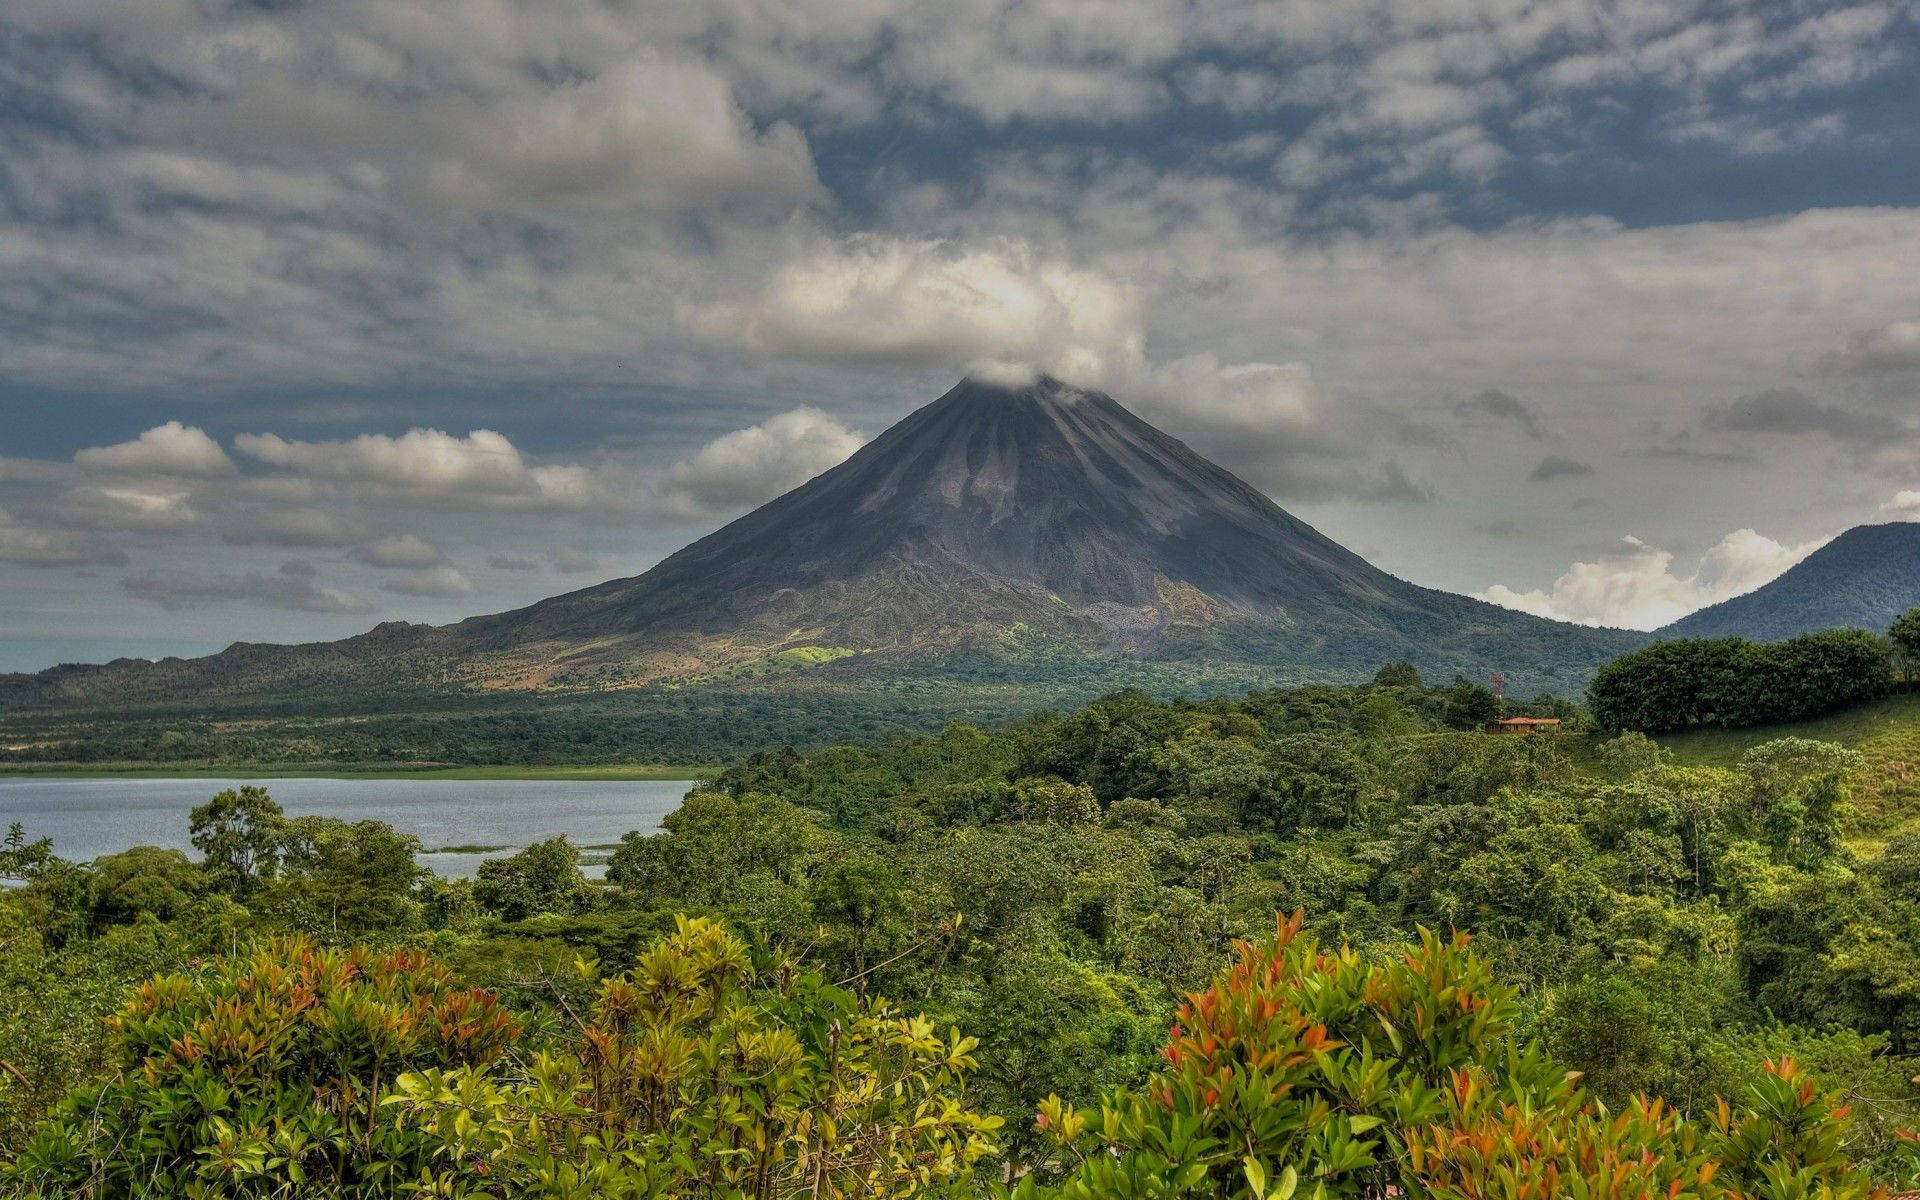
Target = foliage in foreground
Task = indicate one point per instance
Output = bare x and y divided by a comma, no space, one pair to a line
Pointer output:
712,1070
1311,1071
704,1071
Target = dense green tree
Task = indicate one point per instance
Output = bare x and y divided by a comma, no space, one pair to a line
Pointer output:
341,881
857,899
1397,674
712,847
1469,706
1730,682
1798,796
1905,636
145,882
543,878
1060,885
238,834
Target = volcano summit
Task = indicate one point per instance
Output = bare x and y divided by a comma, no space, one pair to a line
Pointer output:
988,521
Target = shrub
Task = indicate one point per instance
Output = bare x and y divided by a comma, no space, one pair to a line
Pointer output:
1310,1070
706,1072
265,1076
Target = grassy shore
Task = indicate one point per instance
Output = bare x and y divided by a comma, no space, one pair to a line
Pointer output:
202,770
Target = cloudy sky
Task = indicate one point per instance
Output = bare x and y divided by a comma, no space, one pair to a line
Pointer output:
316,313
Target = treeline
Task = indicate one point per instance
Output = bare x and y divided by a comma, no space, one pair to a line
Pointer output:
968,948
689,726
1734,683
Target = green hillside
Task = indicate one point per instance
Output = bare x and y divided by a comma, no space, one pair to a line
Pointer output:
1886,792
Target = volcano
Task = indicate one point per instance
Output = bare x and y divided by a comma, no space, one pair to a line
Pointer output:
994,515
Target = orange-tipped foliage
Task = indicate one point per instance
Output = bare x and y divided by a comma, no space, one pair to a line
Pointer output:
1315,1070
266,1072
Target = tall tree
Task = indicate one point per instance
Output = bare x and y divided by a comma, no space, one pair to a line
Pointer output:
239,832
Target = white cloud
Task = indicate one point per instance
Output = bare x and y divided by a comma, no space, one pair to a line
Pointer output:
401,550
431,581
432,468
885,299
604,140
170,449
130,507
1636,586
739,470
1905,503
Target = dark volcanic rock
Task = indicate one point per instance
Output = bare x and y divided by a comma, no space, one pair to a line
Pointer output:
1049,493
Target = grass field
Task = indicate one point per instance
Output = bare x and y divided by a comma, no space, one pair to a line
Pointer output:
1886,791
347,771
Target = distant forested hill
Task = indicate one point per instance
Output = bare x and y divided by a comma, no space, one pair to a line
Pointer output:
1862,579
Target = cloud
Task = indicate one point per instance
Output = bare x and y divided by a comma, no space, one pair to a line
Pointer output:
1681,449
1552,468
512,562
602,140
295,527
36,546
431,468
170,449
130,507
750,466
1502,406
1894,347
1904,503
1790,412
431,581
1269,422
569,561
1636,586
291,590
883,299
403,550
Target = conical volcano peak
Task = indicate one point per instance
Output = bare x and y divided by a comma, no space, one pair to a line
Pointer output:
1043,503
982,395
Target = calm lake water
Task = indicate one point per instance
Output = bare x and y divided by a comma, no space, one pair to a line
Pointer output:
90,817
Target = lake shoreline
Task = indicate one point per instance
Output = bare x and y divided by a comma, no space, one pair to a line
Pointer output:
459,823
665,772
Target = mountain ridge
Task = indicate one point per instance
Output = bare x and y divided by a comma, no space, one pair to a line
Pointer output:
1863,578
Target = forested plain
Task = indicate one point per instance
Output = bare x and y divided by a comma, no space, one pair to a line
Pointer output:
1313,941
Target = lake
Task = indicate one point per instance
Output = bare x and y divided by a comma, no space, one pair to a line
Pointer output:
90,817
